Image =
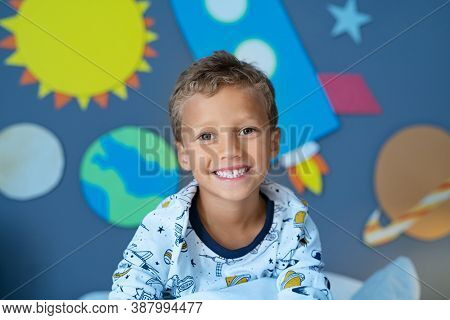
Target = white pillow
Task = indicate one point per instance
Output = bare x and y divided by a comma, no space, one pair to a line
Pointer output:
397,281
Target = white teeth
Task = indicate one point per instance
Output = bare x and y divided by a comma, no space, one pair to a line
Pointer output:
231,173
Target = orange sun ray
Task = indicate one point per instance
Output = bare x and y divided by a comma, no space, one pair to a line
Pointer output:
61,100
149,52
102,99
8,42
15,3
133,81
27,78
149,22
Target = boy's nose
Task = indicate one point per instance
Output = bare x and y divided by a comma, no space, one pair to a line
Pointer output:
230,147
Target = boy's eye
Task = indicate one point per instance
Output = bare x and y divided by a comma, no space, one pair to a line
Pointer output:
247,131
205,136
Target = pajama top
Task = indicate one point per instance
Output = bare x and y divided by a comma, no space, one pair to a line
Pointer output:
172,255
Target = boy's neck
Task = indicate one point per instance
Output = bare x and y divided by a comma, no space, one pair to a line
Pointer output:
221,216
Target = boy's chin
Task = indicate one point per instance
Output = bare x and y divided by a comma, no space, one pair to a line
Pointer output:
232,195
231,189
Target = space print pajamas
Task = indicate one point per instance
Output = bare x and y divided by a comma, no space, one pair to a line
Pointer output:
172,255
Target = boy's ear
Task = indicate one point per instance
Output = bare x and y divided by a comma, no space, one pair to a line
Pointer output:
275,142
183,157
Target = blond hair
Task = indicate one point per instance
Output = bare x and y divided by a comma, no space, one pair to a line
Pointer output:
210,74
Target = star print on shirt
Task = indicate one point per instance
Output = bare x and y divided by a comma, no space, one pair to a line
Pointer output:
160,229
193,263
271,261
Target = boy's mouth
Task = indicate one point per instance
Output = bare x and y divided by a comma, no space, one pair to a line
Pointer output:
231,173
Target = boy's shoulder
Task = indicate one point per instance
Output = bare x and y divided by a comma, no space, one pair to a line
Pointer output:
175,206
181,199
284,198
291,216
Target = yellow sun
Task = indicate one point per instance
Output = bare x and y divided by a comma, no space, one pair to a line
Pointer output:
80,49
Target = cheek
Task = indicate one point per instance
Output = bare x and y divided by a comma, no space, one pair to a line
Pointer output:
259,152
202,157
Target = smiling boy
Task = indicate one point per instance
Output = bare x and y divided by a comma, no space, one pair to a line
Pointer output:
230,224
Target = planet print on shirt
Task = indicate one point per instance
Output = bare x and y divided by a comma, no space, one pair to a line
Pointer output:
126,173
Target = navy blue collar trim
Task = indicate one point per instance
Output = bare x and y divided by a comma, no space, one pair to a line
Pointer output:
201,232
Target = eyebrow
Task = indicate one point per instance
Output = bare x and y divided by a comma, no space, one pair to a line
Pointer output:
240,122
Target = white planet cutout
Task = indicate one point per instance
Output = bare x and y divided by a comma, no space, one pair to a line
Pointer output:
226,11
31,161
257,52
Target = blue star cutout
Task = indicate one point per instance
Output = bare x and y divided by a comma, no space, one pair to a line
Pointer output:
160,229
348,20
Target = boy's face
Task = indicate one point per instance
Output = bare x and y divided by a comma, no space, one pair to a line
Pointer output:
229,129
